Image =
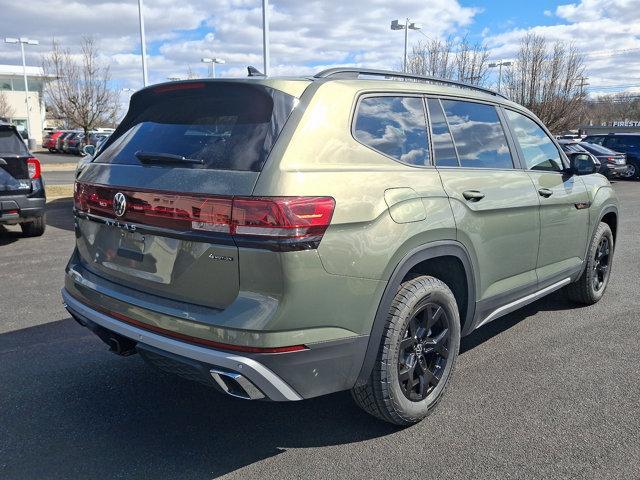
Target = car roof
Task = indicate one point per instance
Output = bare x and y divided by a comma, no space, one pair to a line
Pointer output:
359,78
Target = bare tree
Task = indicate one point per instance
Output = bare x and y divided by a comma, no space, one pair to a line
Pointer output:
546,79
447,59
617,107
6,110
81,92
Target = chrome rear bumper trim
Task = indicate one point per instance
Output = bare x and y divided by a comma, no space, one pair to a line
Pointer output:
264,379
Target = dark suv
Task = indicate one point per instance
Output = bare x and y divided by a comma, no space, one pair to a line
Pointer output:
628,143
287,238
22,198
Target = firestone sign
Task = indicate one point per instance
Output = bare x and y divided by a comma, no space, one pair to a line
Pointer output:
623,123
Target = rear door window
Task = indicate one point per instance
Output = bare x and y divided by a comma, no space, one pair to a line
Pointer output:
478,134
227,126
394,126
623,142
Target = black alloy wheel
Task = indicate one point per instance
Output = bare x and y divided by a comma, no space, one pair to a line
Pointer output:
424,351
601,264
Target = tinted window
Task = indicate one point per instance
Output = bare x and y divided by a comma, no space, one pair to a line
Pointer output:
443,150
623,142
227,126
540,153
596,149
395,126
11,143
593,139
478,135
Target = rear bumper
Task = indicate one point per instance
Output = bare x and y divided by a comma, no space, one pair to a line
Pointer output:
323,368
26,206
614,170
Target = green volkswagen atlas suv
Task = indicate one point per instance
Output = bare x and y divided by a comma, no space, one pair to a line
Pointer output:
284,238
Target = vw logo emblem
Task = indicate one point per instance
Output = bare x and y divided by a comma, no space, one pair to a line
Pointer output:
119,204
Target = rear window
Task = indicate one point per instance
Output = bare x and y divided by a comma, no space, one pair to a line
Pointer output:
596,149
227,126
11,143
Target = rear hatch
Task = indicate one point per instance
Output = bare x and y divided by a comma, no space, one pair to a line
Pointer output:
154,206
14,168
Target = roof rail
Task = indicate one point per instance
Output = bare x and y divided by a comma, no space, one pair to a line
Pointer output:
350,72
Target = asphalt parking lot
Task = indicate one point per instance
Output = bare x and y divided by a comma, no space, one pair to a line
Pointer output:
550,391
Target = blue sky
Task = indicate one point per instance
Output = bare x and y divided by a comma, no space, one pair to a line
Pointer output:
313,34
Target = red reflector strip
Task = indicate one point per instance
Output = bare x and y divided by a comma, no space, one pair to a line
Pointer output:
12,212
178,86
196,340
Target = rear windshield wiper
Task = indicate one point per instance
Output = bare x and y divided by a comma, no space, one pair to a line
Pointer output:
156,157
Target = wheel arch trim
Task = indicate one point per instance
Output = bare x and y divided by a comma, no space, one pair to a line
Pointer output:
442,248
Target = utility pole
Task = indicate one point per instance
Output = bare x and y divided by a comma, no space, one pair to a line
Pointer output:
145,80
583,83
265,37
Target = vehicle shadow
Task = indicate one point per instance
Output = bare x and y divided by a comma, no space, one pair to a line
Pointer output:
70,409
9,236
59,213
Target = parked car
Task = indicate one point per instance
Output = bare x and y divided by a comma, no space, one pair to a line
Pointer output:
49,141
610,164
627,143
72,143
614,164
298,237
22,196
569,147
93,139
60,140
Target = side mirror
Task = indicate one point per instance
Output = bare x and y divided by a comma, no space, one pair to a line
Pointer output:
89,150
582,164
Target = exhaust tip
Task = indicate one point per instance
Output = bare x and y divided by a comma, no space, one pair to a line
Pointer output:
236,385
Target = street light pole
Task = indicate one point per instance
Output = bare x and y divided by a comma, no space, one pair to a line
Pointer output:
265,37
143,48
406,39
212,65
500,64
22,41
408,25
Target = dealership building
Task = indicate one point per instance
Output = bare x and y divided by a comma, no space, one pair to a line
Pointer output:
12,88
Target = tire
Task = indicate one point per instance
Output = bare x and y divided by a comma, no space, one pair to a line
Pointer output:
33,228
633,172
52,150
426,306
591,285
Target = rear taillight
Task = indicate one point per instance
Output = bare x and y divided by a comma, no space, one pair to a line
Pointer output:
282,217
296,222
33,165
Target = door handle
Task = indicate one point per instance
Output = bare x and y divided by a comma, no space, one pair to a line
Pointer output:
473,195
545,192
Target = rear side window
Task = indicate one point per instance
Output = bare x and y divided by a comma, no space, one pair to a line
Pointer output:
11,143
478,135
395,126
540,153
597,140
227,126
444,151
623,142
